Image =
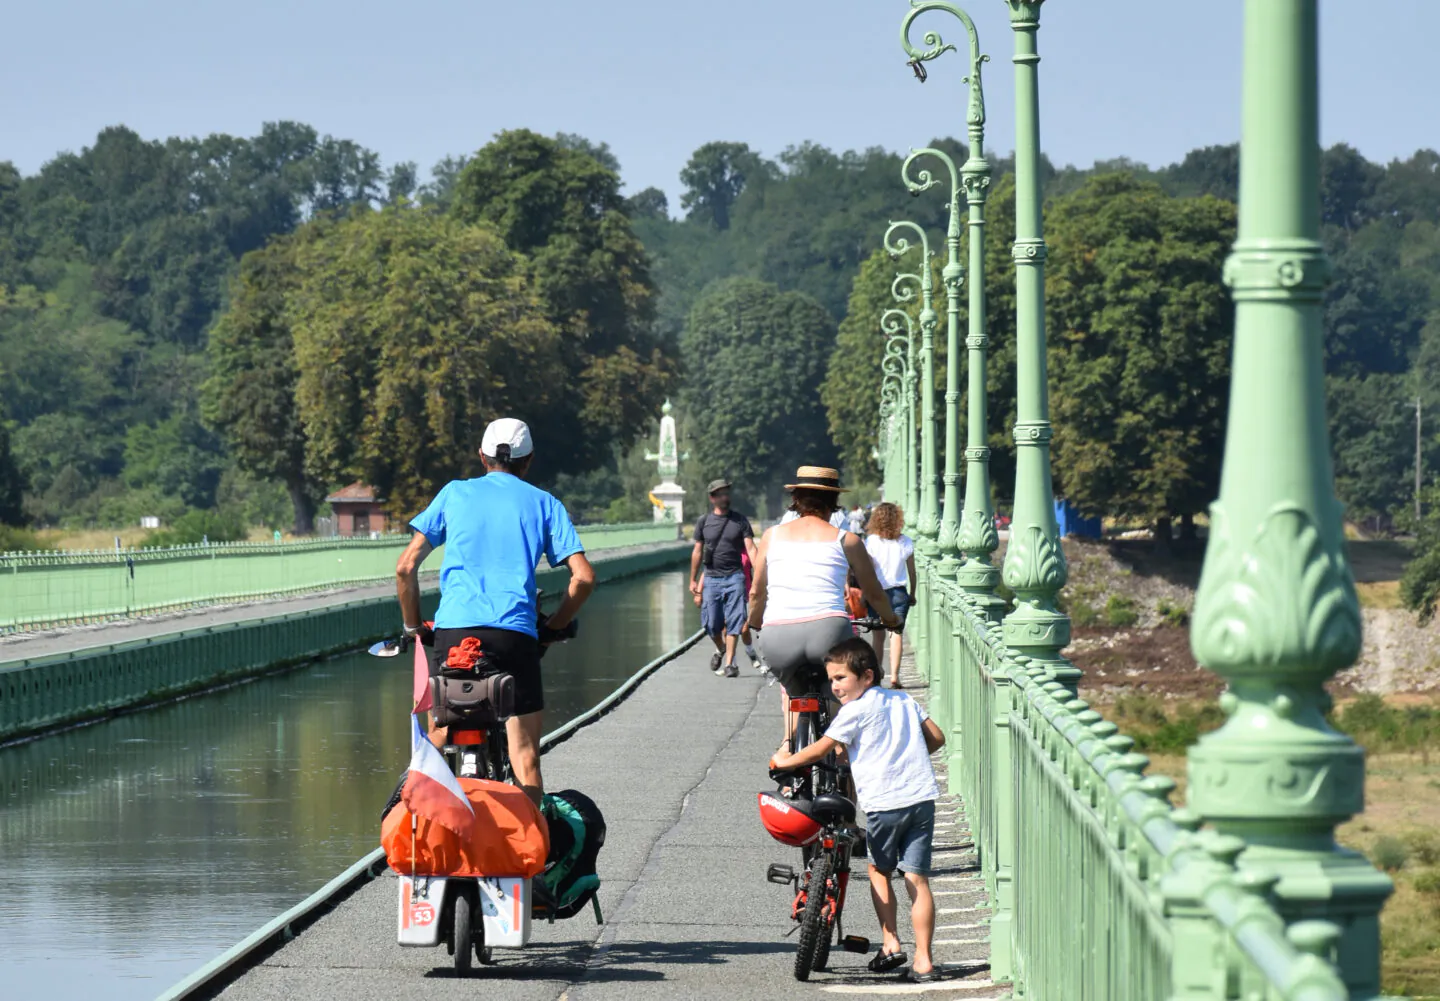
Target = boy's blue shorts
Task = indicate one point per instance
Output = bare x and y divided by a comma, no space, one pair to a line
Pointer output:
901,839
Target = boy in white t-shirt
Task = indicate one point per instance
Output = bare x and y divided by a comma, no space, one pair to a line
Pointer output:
889,739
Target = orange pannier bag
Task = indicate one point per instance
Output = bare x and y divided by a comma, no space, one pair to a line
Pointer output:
509,837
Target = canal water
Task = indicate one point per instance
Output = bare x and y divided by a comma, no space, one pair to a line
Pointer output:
137,849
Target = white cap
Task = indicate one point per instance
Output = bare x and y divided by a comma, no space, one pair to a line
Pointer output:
507,431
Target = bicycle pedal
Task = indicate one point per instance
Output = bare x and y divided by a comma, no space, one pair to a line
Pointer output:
782,874
855,943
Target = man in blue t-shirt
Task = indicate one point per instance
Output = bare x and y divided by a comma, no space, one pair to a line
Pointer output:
494,530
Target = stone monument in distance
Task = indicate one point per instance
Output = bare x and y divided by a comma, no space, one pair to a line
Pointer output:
667,496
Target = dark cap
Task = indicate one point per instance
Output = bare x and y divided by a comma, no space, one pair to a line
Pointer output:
717,485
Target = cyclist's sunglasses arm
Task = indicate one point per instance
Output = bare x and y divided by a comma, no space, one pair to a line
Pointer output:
407,579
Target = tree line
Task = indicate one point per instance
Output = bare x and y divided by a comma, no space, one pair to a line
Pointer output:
247,323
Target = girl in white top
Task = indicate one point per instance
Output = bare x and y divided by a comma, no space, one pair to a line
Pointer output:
894,558
801,575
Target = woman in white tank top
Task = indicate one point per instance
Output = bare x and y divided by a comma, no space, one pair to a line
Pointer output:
801,572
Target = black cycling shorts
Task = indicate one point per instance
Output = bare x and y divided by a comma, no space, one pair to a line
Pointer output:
514,653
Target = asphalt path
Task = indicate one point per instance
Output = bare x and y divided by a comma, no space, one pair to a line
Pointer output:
688,912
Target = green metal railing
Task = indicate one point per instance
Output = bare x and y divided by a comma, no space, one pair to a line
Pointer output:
1099,887
45,589
37,694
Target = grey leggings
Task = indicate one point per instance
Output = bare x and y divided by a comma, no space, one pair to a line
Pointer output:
790,647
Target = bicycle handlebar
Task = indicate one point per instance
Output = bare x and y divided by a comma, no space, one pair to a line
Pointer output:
871,624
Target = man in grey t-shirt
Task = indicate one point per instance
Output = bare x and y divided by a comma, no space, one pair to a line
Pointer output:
721,536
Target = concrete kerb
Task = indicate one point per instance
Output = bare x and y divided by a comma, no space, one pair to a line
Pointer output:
281,929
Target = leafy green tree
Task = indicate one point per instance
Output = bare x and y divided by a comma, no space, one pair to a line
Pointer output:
397,378
60,354
648,204
177,457
1372,432
852,384
12,482
851,390
194,527
1347,186
402,181
250,395
754,360
57,442
714,177
1211,170
1374,311
1410,190
601,153
439,191
1140,325
562,210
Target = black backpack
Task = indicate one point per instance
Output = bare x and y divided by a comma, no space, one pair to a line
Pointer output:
577,833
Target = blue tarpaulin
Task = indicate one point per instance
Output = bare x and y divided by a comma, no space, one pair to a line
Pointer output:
1072,522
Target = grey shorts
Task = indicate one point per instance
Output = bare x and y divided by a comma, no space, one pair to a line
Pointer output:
901,839
792,646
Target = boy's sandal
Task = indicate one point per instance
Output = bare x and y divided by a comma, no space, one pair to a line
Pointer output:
930,976
896,684
884,962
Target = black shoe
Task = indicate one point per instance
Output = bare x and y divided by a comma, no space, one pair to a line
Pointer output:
731,671
715,663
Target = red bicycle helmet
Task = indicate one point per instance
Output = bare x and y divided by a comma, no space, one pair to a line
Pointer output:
787,820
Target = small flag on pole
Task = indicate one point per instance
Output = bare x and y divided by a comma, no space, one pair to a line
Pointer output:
431,789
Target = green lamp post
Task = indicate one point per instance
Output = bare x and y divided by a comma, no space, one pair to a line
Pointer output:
976,538
885,453
952,275
902,289
899,329
1276,612
1034,560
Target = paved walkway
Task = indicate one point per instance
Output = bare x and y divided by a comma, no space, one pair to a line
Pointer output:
688,911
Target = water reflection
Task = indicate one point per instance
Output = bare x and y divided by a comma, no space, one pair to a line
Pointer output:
137,849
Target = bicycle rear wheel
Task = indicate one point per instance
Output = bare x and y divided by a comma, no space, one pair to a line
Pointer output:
813,926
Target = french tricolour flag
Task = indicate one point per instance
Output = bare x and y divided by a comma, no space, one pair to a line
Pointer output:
431,789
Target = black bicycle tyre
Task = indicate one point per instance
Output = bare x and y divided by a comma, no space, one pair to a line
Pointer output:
461,932
812,922
822,947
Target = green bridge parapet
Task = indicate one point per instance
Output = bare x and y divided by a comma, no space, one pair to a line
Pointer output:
40,693
48,589
1079,846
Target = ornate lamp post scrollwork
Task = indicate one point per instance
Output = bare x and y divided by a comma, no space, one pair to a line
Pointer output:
952,275
898,327
976,538
897,246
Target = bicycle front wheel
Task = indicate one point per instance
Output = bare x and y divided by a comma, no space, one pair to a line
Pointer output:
813,925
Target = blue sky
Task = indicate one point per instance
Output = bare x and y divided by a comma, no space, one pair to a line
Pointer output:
1138,78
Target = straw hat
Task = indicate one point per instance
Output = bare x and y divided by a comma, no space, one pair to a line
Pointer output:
817,478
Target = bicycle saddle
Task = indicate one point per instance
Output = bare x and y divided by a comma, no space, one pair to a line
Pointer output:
830,807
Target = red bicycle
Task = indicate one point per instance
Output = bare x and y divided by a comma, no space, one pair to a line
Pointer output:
811,812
